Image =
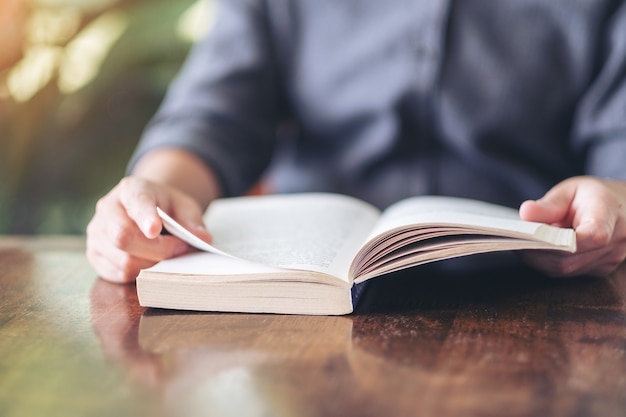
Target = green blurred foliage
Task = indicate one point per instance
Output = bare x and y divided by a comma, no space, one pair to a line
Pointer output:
60,152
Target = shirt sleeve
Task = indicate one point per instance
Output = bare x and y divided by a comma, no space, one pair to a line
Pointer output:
223,105
599,132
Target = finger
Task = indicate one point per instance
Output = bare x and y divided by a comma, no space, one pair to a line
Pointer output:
552,208
121,233
113,271
109,271
140,201
117,265
136,244
586,205
595,219
556,264
548,262
189,214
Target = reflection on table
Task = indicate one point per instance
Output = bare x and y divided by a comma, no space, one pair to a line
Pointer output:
490,343
488,349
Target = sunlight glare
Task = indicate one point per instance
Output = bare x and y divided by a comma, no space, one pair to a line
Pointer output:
53,27
196,21
33,72
85,53
84,5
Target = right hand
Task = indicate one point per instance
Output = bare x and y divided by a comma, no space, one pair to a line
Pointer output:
124,235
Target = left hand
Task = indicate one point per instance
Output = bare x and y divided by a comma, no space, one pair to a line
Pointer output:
596,210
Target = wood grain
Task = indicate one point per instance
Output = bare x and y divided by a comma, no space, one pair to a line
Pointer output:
493,343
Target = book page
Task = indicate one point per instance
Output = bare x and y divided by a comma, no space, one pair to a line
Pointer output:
315,231
176,229
453,211
199,263
427,228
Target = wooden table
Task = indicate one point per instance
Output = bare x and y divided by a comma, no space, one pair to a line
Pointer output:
497,344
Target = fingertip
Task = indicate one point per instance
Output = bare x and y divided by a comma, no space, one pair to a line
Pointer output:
193,223
202,233
526,208
151,226
534,210
543,211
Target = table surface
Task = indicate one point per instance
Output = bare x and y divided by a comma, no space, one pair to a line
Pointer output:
503,343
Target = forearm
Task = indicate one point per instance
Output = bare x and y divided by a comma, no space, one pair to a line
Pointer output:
180,169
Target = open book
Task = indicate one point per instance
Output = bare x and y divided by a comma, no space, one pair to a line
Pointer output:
305,253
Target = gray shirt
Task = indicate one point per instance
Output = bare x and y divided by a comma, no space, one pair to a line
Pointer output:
497,100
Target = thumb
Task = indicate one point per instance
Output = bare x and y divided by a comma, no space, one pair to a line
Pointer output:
552,208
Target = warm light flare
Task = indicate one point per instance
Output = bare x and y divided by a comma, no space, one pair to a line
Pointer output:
84,5
84,55
33,72
53,27
196,20
76,64
13,16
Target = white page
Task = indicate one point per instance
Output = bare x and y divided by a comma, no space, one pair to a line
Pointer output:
450,210
317,232
176,229
199,263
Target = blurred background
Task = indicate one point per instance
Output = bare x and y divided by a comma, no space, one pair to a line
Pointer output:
79,79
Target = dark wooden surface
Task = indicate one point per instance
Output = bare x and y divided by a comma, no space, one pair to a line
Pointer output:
500,343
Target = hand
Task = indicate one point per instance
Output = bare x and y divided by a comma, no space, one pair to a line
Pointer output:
596,209
124,235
